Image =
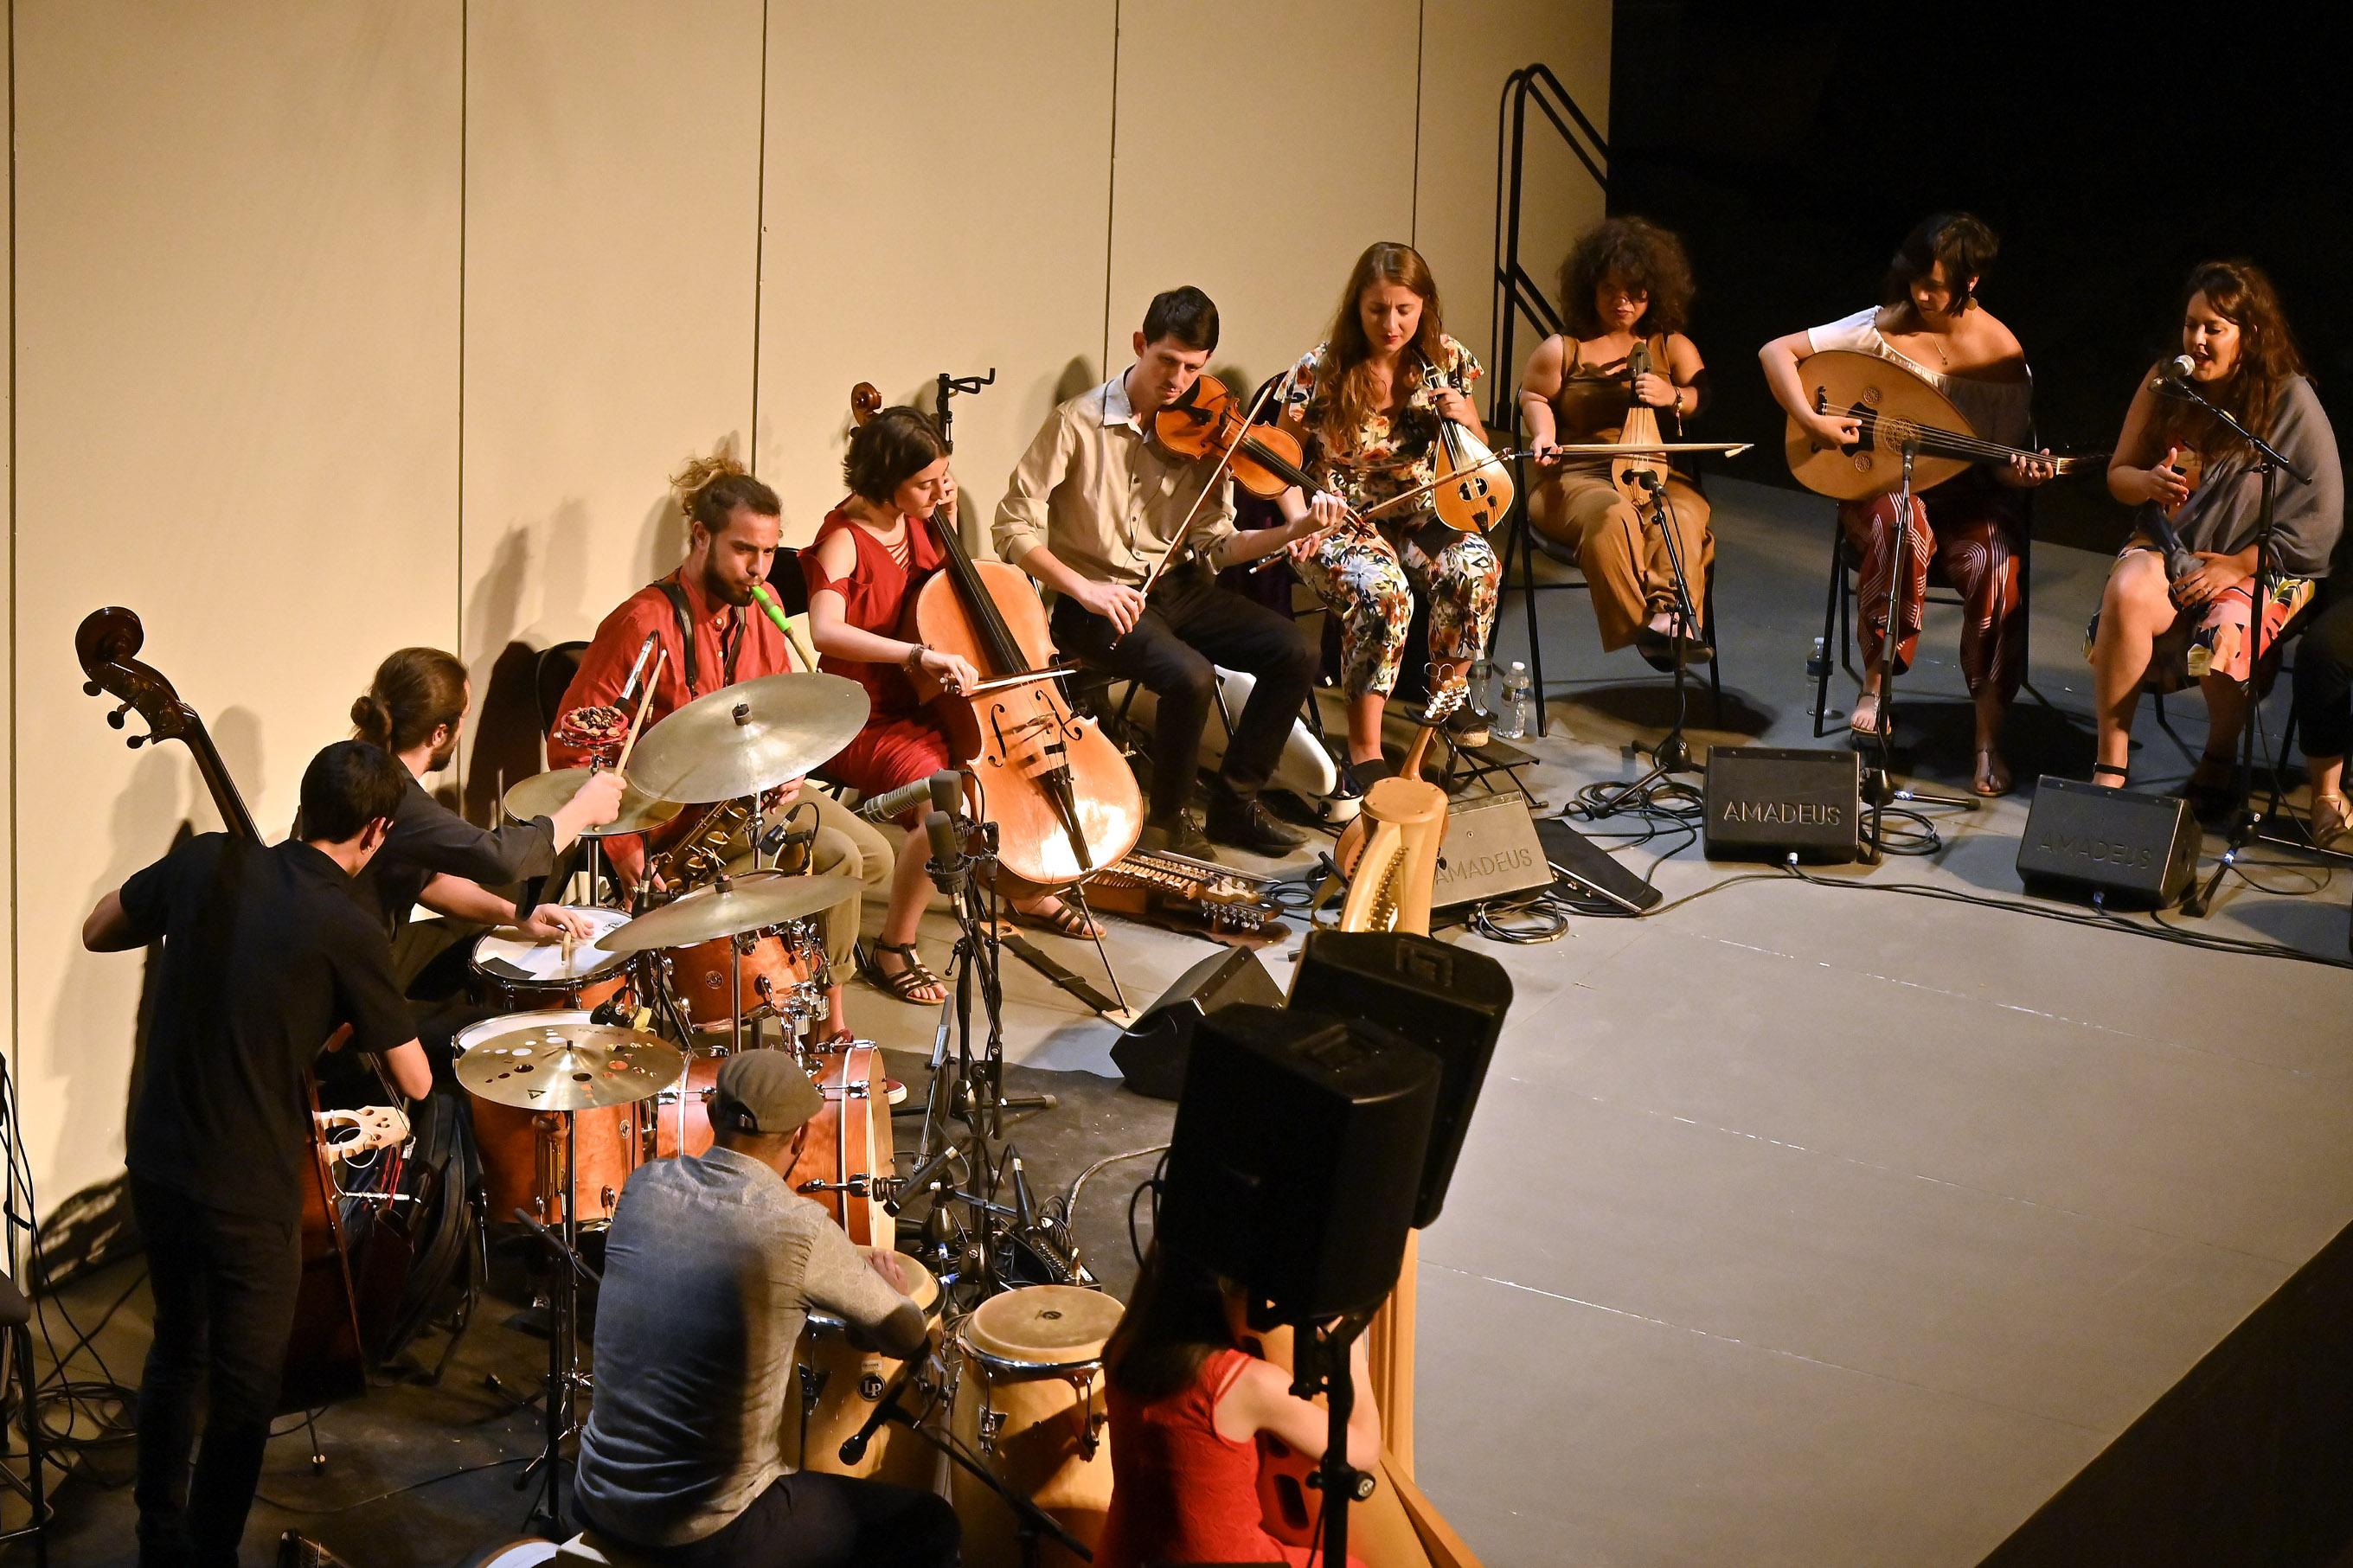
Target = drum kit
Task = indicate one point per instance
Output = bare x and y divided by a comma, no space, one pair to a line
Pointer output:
607,1057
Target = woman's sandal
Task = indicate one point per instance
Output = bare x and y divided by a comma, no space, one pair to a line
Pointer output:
2332,817
1881,720
1992,777
908,983
2099,768
2208,796
1061,918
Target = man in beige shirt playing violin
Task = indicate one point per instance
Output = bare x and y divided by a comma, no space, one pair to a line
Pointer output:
1094,507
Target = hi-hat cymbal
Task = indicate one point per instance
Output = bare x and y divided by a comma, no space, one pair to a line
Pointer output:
545,794
543,1066
747,902
751,736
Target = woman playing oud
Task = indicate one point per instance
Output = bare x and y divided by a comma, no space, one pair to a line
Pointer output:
1627,283
872,556
2149,628
1372,396
1973,525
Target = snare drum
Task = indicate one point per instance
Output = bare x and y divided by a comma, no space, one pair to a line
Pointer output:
523,1150
849,1381
778,964
523,974
1028,1402
849,1142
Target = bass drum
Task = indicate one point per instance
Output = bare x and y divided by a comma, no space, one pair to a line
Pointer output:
523,1150
849,1145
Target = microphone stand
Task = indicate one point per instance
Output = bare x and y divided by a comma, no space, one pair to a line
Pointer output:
1320,1365
2246,822
1878,786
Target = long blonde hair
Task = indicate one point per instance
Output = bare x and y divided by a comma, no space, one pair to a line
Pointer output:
1345,386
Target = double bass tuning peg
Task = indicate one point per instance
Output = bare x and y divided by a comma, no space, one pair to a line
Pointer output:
114,720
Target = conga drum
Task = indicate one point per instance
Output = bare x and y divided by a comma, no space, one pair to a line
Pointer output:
1030,1404
848,1381
523,1150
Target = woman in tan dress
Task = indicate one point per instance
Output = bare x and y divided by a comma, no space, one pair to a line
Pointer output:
1625,283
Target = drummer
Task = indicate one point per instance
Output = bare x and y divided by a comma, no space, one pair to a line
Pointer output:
414,708
702,617
712,1267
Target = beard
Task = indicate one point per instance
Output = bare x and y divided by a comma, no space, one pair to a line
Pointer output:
442,756
726,592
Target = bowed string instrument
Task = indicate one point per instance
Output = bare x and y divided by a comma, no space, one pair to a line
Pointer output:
1064,800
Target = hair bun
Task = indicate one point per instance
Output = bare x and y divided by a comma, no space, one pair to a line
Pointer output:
371,718
700,472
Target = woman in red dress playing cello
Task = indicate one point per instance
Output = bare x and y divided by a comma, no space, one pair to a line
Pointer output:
872,556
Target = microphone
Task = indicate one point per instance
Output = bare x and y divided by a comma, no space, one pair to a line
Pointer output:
947,856
638,669
918,1181
854,1448
890,802
2173,372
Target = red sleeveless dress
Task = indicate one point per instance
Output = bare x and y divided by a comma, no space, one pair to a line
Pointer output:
1180,1492
901,743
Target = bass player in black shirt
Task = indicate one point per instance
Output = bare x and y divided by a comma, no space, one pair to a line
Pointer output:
265,951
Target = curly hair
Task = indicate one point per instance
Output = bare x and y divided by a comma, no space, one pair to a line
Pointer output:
1639,255
888,450
2242,293
1350,400
710,490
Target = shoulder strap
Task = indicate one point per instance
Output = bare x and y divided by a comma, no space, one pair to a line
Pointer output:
677,598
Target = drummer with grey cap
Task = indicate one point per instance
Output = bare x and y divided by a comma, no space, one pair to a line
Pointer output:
712,1267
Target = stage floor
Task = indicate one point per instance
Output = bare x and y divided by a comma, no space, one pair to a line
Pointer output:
1797,1224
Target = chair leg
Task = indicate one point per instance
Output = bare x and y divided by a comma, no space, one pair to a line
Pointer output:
1833,604
1526,549
36,1456
1715,664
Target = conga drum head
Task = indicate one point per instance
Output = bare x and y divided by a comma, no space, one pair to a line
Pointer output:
1042,1329
922,1289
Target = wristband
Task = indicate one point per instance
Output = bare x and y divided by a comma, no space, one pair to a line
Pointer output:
913,662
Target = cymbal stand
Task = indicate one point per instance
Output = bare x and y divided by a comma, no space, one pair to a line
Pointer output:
1878,786
563,1377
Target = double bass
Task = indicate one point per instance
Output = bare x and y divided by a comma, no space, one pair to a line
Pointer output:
1064,800
325,1361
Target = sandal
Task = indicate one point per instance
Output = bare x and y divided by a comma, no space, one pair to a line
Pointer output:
2332,817
1992,776
914,982
2099,768
1059,917
1880,720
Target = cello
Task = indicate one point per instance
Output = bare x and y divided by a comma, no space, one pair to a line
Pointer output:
1064,800
324,1359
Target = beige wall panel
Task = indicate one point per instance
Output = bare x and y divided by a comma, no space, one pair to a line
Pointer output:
1257,160
938,189
612,198
1469,47
236,316
8,651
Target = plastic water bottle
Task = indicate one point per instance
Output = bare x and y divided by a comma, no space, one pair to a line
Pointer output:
1518,714
1481,680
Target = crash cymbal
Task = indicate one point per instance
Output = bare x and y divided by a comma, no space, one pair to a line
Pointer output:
748,737
544,795
744,903
544,1065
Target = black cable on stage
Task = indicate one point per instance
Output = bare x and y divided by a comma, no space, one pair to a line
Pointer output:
396,1492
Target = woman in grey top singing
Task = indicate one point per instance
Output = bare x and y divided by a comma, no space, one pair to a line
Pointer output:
2174,459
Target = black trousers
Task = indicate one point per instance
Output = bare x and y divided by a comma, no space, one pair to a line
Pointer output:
1190,625
224,1286
810,1520
2324,678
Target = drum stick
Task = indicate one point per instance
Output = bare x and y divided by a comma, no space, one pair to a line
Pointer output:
636,725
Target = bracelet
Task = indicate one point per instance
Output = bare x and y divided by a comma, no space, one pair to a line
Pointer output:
913,662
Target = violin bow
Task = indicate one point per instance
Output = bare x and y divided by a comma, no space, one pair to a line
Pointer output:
1493,458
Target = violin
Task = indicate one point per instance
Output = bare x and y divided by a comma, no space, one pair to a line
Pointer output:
1064,800
1207,422
1472,491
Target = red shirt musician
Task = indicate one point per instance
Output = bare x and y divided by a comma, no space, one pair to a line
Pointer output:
702,616
872,554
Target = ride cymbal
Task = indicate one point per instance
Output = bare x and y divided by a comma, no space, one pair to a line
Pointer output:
730,908
545,794
749,737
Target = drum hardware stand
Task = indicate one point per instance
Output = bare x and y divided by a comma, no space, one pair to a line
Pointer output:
2246,822
563,1378
1878,785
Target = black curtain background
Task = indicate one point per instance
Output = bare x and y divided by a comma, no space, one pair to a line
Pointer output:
2111,147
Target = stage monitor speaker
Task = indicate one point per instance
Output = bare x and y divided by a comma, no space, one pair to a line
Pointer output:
1490,851
1150,1055
1298,1149
2087,839
1763,802
1448,1000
